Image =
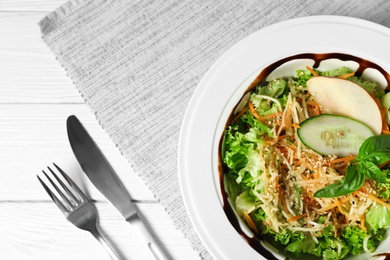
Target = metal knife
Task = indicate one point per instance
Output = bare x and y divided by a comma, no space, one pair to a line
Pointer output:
102,175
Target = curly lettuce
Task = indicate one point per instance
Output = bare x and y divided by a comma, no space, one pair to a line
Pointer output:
240,155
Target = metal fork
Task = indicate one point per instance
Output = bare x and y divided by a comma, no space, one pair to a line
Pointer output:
75,206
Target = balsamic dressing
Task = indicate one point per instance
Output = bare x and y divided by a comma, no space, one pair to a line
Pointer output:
254,242
386,255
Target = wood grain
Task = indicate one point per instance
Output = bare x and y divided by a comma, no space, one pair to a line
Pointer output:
36,97
44,6
34,136
29,71
23,234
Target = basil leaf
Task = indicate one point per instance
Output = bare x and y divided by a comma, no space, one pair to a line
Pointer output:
375,149
333,190
371,171
373,152
351,182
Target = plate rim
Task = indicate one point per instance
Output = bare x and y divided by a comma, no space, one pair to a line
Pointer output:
196,212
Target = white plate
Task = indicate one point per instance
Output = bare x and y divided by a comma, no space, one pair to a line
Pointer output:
221,89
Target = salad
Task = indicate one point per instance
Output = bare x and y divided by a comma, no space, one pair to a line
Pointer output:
307,174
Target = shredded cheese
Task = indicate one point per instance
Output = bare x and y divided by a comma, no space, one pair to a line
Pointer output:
292,173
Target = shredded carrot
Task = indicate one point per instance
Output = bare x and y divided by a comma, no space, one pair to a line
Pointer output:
362,220
336,223
377,101
316,111
334,204
287,119
345,76
345,199
291,146
363,190
316,175
262,118
385,132
253,110
343,159
383,164
261,157
258,117
385,126
312,103
283,201
340,207
277,183
310,194
304,177
250,222
312,71
377,200
295,218
330,206
235,118
293,162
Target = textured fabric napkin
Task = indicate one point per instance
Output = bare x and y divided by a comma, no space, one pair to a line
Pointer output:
137,63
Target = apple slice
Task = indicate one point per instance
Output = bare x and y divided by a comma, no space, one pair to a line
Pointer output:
343,97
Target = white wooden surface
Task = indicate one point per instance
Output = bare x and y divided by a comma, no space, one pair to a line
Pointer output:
36,97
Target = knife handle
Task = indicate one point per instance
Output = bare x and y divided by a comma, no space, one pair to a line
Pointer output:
154,250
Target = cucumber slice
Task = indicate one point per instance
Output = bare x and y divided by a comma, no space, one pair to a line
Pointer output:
333,134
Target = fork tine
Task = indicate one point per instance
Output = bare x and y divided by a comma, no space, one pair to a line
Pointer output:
72,184
70,193
65,199
54,197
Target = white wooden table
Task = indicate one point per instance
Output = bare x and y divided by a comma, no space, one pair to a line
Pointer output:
36,97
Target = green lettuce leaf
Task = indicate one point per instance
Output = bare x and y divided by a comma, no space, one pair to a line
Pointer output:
235,149
307,245
257,129
252,169
284,236
231,186
370,86
383,189
354,236
245,202
301,77
273,89
264,106
330,255
242,167
327,246
378,217
336,72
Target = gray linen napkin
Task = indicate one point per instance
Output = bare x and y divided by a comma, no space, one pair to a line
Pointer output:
137,63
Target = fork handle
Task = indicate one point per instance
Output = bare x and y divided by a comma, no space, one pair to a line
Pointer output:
95,232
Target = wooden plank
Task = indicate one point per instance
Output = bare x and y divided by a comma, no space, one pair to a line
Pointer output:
37,230
29,71
32,136
30,5
36,97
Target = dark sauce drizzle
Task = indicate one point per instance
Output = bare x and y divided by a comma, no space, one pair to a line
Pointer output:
386,255
254,242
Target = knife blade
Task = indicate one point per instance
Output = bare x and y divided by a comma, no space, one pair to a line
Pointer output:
102,175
